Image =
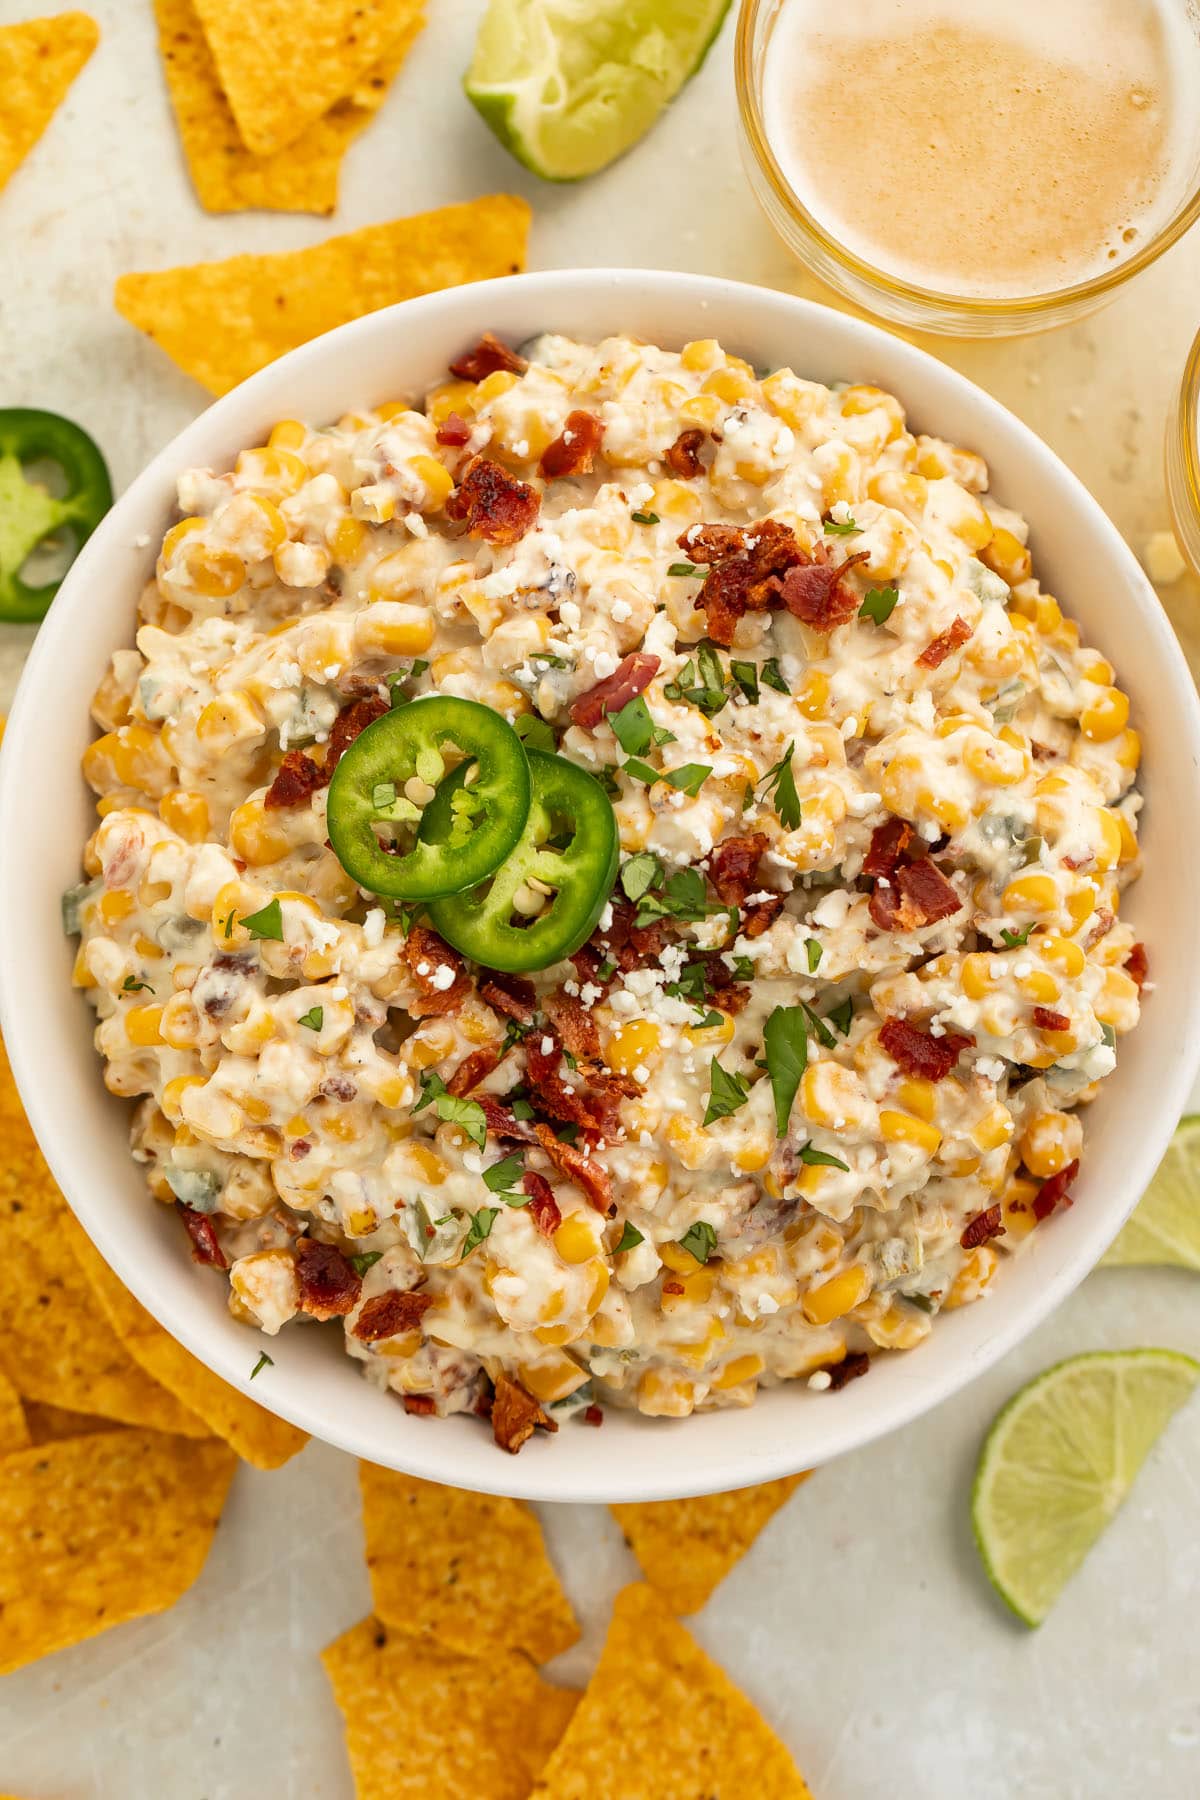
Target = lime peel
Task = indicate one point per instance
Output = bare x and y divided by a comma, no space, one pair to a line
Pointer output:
569,85
1059,1461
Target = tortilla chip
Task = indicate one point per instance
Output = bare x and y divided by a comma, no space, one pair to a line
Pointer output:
39,60
258,1436
469,1569
423,1722
222,321
96,1530
293,59
660,1721
50,1424
14,1428
687,1547
54,1345
226,176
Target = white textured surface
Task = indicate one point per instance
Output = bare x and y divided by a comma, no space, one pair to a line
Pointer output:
860,1621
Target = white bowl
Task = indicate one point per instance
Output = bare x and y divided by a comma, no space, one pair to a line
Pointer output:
46,813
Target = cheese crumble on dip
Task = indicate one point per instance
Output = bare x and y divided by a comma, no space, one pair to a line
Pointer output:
795,816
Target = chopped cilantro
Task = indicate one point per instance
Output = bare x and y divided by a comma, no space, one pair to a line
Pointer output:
922,1302
314,1018
227,924
131,985
785,1040
726,1093
743,968
503,1177
514,1031
699,1240
631,1237
701,683
264,1362
266,923
814,950
635,729
839,527
521,1109
551,662
779,784
606,775
685,568
746,676
822,1159
640,874
1013,940
364,1261
481,1226
819,1026
1031,850
689,778
841,1015
772,677
644,518
879,604
1108,1036
467,1114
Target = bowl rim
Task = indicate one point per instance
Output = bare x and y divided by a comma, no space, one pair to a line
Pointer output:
544,1472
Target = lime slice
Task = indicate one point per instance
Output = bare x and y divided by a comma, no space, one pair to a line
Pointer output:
569,85
1060,1459
1166,1226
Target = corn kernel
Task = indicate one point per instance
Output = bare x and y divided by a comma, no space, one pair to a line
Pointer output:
742,1368
1007,557
701,354
834,1298
918,1097
172,1095
1049,1142
436,478
1064,953
552,1378
1032,893
630,1045
143,1025
899,1128
993,1129
663,1396
577,1239
186,813
1105,715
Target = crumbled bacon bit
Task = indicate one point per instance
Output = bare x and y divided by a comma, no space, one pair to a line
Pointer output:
300,1149
420,1405
935,654
472,1070
574,1024
733,867
591,1104
985,1225
1137,965
888,848
511,995
453,431
683,456
495,505
543,1207
575,448
388,1315
503,1123
515,1414
849,1369
593,1415
578,1168
425,950
206,1248
673,1287
918,895
489,356
1103,921
747,564
760,915
296,781
1046,1019
816,594
919,1053
328,1284
1053,1192
631,676
350,723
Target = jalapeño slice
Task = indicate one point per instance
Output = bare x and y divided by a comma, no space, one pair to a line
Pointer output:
569,845
34,519
482,819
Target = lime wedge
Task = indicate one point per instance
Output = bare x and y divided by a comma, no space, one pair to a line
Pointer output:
569,85
1166,1226
1061,1458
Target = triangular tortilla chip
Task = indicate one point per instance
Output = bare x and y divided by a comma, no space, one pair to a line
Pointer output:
50,1424
54,1345
686,1547
660,1721
291,60
424,1724
14,1428
258,1436
39,59
222,321
97,1530
469,1569
226,176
